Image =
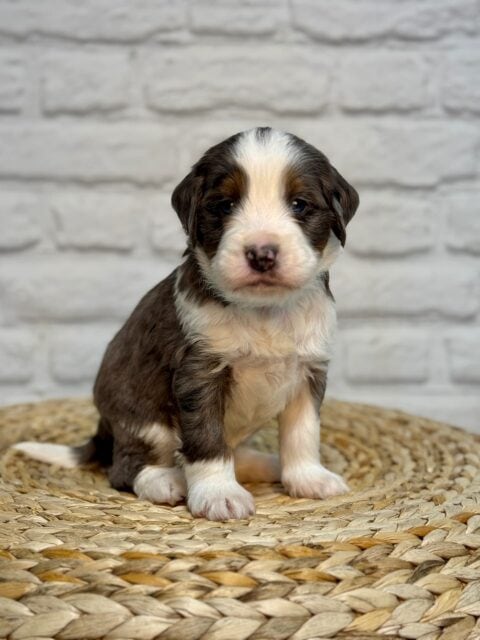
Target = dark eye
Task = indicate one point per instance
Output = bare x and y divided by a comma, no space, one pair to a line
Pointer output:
298,206
222,207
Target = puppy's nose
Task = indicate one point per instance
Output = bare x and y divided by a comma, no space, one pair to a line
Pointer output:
262,258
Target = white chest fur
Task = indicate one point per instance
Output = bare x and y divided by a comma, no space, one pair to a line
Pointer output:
268,351
259,392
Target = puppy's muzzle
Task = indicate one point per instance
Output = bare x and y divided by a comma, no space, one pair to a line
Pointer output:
262,258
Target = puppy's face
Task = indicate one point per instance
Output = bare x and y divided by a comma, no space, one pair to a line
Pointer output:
265,213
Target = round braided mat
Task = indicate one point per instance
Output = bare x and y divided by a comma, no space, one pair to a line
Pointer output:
399,556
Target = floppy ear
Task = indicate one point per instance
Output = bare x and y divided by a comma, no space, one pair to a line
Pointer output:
344,202
185,201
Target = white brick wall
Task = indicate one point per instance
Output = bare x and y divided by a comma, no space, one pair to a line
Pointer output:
105,103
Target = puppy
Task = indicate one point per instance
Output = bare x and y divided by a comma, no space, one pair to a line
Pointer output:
240,333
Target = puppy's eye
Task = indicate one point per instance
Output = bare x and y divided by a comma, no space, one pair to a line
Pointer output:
222,207
298,206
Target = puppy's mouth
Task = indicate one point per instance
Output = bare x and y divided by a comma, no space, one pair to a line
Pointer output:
262,282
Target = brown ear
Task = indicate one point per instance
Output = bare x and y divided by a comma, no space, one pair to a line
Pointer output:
185,201
344,202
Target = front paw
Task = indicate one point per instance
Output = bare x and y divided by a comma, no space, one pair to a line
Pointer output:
313,481
220,501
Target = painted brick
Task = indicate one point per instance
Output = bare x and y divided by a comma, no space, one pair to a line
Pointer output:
75,354
76,289
233,17
405,289
463,349
379,356
88,151
463,218
12,81
196,140
350,20
78,82
430,19
16,355
402,153
18,393
382,80
278,78
19,215
459,89
390,224
86,220
119,21
166,233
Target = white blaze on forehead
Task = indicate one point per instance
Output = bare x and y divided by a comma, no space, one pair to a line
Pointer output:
265,159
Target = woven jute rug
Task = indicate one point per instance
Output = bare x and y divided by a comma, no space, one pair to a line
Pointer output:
399,556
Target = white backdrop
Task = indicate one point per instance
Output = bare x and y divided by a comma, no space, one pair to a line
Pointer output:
104,104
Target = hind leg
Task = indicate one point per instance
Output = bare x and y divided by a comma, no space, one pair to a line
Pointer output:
144,462
254,466
162,485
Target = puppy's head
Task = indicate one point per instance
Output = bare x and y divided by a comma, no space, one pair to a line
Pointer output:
265,213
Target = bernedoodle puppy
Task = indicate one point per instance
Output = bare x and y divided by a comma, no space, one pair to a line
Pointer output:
238,334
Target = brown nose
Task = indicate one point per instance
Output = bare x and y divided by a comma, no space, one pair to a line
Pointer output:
262,258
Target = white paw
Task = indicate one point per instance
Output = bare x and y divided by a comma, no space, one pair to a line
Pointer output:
162,485
220,501
313,481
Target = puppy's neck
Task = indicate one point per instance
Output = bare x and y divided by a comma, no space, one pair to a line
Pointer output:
193,283
303,330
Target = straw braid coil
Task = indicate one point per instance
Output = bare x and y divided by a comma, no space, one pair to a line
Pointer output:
397,557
